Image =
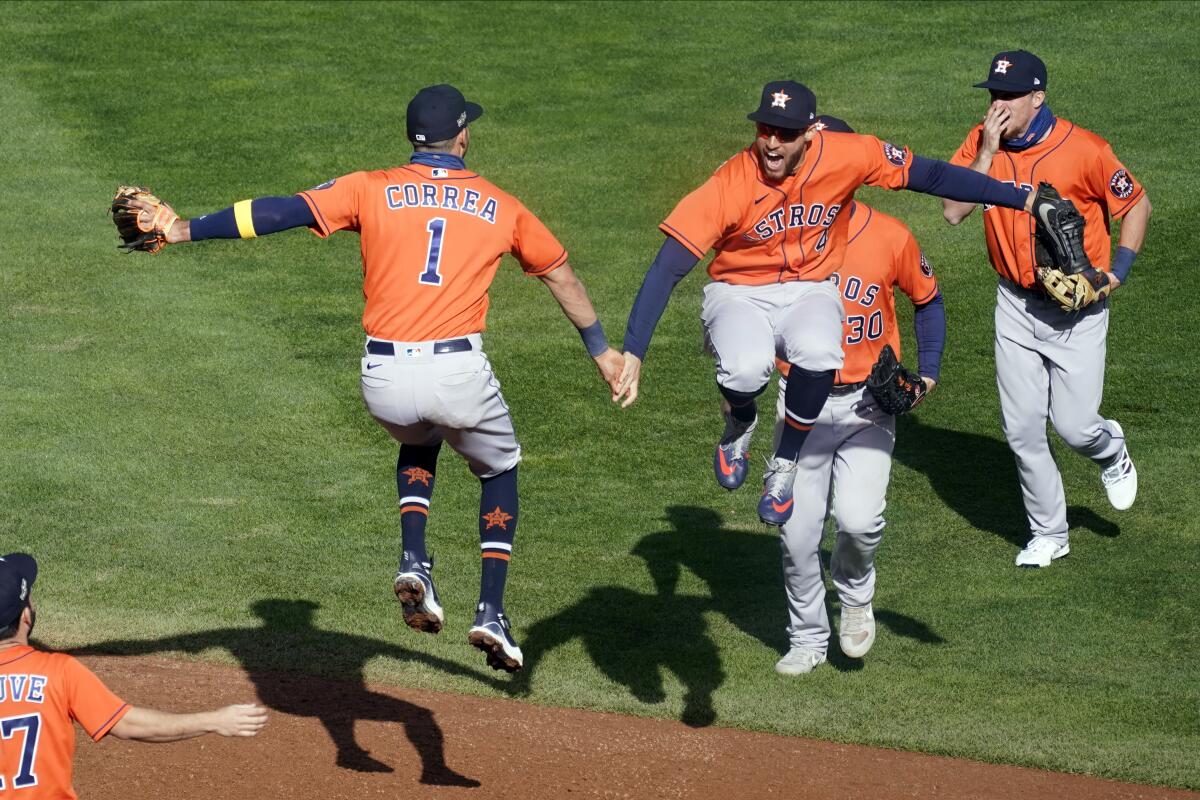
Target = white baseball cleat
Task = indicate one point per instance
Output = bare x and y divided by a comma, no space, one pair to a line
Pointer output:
1040,551
799,661
1120,479
856,632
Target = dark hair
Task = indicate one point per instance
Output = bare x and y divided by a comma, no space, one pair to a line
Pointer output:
10,630
444,146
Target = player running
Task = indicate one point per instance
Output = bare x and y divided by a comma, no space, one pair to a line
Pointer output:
432,234
847,459
775,214
43,694
1049,362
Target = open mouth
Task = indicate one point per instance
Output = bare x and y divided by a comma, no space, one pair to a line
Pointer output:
773,161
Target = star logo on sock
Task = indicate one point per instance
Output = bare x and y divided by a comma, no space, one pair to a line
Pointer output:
497,517
417,475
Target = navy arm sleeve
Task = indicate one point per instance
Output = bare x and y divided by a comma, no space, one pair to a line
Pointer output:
270,215
959,183
930,321
672,263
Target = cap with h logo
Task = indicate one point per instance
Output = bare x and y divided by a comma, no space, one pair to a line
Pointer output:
18,571
1015,71
438,113
786,104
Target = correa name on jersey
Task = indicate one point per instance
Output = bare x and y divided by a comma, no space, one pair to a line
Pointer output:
441,196
798,216
23,688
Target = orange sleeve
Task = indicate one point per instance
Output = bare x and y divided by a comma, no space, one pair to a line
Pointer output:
701,218
884,164
965,156
914,274
91,703
335,204
534,246
1110,180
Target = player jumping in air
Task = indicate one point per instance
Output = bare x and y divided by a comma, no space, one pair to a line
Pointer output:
432,233
776,215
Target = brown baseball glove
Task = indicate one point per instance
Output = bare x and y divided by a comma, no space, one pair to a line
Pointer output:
143,221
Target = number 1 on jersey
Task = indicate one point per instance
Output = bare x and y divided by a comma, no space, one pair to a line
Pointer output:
433,258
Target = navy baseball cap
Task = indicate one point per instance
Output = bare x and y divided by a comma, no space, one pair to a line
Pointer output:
833,124
786,104
438,113
1015,71
18,571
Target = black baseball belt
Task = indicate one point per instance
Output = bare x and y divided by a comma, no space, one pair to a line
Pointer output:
377,347
846,388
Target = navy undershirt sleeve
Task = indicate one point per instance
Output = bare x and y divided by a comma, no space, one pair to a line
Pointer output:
959,183
929,319
672,263
270,215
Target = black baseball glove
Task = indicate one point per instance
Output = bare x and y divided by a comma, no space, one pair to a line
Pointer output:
897,390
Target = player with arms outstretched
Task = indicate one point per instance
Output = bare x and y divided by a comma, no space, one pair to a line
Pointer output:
1050,362
775,214
43,694
846,462
432,234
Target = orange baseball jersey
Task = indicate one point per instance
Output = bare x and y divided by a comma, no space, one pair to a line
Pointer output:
771,233
881,253
1083,168
431,240
41,694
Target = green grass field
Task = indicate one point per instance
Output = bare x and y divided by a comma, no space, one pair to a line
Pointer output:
182,436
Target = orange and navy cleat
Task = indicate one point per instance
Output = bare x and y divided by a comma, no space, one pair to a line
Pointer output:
775,507
729,461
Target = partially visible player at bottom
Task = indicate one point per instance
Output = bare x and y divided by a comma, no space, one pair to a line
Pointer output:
43,694
846,462
432,235
1050,363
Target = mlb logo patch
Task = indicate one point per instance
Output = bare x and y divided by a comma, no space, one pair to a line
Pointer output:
412,352
1121,185
896,155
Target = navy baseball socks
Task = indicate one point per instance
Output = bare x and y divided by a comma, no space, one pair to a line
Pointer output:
803,400
733,451
413,584
498,511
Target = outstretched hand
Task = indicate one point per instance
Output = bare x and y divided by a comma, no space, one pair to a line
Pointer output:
627,383
243,719
610,363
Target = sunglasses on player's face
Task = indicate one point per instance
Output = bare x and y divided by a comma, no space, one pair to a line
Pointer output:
785,135
1005,96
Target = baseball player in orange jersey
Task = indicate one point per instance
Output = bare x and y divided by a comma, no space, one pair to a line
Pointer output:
1049,361
846,461
774,213
432,234
43,694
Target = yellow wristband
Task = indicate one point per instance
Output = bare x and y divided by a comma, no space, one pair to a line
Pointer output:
245,222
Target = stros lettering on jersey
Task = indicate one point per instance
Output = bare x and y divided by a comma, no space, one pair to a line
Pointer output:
1084,169
431,242
770,233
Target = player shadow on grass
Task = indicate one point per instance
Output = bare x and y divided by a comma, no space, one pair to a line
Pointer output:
286,639
976,477
632,637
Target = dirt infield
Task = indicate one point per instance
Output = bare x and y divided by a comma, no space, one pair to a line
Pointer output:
329,739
